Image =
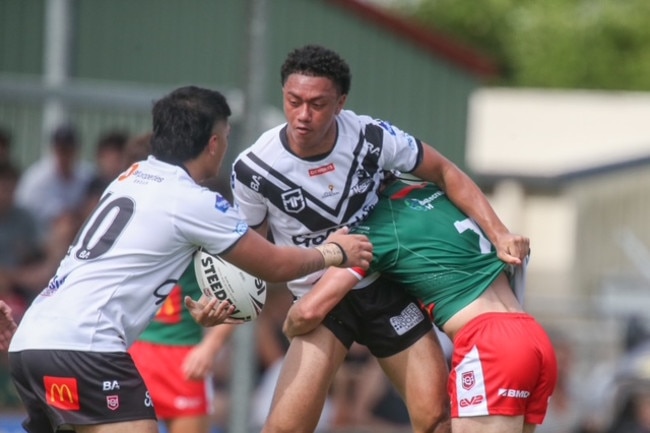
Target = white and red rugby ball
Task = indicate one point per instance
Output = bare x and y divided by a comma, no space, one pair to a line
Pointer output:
219,279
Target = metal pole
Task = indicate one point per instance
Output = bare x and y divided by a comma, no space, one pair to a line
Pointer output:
56,61
245,353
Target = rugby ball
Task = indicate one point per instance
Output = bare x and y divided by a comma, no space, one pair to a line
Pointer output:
219,279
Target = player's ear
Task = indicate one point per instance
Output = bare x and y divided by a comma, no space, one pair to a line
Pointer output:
340,103
213,145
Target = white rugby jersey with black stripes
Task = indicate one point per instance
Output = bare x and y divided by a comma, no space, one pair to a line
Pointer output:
307,199
126,259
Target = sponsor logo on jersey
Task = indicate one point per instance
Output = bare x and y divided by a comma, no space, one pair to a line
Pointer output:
321,170
255,183
407,319
184,403
241,227
363,186
148,402
128,172
468,379
387,126
61,392
330,192
313,239
221,203
471,401
372,149
171,309
411,142
53,285
424,204
293,200
140,176
513,393
110,385
113,402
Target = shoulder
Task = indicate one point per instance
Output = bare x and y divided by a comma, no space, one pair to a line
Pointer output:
350,119
368,125
266,142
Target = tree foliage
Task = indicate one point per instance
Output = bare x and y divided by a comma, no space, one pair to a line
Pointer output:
590,44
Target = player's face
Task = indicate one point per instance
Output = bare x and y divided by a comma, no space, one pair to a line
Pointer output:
310,106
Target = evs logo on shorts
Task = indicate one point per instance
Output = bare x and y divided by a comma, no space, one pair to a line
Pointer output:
61,392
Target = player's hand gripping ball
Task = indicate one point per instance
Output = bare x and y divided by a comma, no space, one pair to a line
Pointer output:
219,279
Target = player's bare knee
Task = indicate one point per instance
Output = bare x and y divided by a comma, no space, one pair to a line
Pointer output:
437,420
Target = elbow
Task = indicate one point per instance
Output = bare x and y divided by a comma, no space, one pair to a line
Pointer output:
303,320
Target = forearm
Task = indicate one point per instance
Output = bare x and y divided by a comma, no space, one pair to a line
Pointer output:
272,263
310,310
469,198
216,337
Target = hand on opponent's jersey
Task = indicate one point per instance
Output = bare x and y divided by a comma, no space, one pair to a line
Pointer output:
209,311
356,249
512,248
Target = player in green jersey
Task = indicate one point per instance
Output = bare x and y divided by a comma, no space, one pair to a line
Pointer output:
175,356
503,365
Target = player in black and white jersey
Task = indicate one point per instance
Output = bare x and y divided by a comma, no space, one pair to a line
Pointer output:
319,171
68,356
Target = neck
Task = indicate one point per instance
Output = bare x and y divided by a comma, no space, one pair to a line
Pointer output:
194,170
320,147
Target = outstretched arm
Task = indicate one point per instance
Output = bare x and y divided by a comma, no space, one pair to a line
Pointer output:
464,193
272,263
7,325
310,310
199,362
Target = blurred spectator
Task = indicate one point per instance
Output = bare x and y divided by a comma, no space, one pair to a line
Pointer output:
636,332
361,395
563,414
631,391
110,155
137,149
635,414
34,276
5,146
18,240
55,184
109,163
11,298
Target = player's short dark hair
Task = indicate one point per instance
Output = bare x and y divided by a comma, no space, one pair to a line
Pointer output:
318,61
183,122
65,136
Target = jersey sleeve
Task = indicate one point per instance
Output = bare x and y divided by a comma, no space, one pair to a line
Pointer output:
245,191
205,213
401,150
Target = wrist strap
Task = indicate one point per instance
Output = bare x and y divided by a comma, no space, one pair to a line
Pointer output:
333,254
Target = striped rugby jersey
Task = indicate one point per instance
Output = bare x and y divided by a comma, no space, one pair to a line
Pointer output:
307,199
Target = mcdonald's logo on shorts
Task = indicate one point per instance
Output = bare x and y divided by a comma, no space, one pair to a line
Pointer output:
61,392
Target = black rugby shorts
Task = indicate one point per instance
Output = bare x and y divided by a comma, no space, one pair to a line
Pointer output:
381,316
61,387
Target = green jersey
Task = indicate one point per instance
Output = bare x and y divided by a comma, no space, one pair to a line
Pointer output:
173,324
440,255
